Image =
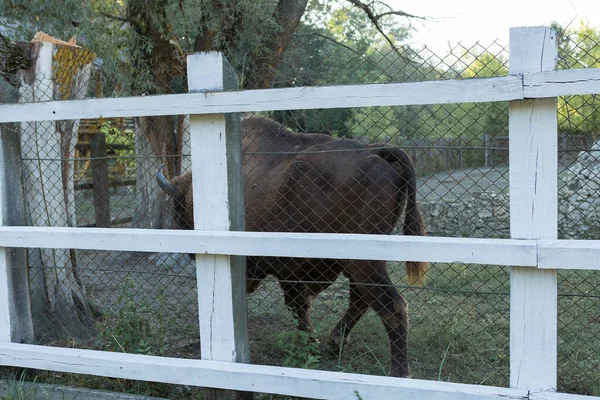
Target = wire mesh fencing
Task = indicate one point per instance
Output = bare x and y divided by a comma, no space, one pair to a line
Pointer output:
339,170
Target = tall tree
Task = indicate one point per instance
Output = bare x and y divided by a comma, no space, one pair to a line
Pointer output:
49,72
143,45
254,35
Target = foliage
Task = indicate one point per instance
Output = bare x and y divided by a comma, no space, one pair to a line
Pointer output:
299,350
578,48
124,163
16,390
336,45
133,331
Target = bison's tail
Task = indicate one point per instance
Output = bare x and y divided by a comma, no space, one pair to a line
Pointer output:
413,220
413,224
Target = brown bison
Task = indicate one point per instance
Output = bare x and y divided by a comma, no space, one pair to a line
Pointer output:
317,183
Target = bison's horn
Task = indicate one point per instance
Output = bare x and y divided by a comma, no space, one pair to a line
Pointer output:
164,183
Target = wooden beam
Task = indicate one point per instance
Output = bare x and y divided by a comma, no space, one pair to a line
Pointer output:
320,245
533,180
218,205
562,83
258,378
569,254
302,98
15,304
524,86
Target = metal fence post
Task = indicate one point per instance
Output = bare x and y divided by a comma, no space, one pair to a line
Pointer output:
218,205
486,150
533,155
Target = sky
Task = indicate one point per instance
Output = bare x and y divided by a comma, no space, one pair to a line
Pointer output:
468,21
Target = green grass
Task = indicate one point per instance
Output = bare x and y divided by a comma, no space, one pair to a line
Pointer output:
17,389
459,337
459,330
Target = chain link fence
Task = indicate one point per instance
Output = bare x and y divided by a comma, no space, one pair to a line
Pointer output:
351,177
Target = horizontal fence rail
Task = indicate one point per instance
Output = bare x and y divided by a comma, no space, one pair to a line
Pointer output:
561,83
278,244
301,98
519,87
541,253
569,254
256,378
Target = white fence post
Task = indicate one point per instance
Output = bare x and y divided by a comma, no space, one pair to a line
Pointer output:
218,205
533,153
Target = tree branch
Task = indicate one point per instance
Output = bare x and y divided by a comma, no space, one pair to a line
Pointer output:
130,20
330,39
396,12
374,18
399,14
362,56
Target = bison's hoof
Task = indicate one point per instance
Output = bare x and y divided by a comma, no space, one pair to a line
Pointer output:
335,345
400,373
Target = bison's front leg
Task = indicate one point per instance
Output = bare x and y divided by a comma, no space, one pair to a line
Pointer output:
298,301
378,292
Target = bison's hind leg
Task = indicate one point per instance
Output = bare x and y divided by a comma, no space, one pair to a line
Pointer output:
373,288
356,309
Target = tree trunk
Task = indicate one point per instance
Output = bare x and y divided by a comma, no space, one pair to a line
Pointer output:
156,140
60,307
185,146
287,15
13,214
152,209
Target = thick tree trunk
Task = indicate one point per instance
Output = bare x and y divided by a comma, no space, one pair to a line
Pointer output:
152,209
71,83
60,307
156,139
13,214
264,65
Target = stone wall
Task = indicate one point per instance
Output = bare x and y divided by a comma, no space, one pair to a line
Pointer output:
487,214
579,198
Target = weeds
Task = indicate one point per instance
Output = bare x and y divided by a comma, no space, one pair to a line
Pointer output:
439,377
16,390
133,332
299,350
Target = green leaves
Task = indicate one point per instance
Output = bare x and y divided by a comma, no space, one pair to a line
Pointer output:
299,350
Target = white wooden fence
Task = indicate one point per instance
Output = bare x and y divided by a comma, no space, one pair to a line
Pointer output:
533,251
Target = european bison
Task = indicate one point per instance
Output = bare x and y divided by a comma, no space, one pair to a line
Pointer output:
316,183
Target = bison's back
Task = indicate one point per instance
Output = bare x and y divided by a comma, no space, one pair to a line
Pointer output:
315,183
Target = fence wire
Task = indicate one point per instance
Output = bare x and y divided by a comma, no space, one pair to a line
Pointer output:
350,177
